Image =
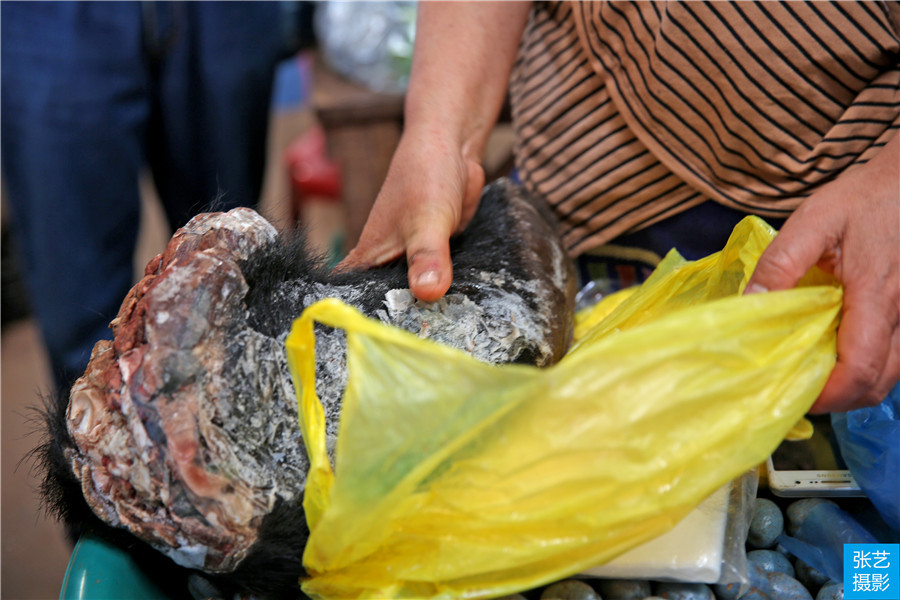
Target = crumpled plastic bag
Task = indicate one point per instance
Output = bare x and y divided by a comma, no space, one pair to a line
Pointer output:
458,479
368,42
819,540
869,439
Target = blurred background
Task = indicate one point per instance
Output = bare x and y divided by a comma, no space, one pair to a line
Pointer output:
34,550
335,118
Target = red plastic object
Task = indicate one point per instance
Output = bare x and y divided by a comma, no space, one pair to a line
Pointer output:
312,173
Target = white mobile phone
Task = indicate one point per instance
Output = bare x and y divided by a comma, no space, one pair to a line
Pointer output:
813,467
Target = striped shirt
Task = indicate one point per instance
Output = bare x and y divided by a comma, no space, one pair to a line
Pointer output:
629,112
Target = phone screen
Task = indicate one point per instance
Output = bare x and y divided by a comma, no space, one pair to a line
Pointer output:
819,453
812,467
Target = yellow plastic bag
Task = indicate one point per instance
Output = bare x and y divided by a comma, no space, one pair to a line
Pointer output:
458,479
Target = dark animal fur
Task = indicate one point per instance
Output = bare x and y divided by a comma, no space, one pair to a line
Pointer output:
290,260
273,567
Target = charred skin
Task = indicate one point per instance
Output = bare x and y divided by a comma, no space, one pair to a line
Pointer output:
183,430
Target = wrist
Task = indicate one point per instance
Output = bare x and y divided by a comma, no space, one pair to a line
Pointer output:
433,140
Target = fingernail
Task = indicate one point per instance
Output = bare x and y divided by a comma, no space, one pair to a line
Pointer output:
756,289
428,278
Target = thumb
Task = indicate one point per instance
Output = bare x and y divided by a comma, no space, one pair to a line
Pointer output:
428,257
792,253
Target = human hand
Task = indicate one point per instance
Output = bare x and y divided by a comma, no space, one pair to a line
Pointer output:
435,179
851,229
431,192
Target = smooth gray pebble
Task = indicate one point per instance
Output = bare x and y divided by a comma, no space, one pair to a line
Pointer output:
570,589
727,591
771,560
671,590
798,510
811,577
785,587
623,589
766,524
833,590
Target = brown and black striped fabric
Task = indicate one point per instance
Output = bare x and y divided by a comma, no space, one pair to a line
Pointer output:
628,112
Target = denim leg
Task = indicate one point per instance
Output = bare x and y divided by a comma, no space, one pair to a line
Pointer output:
93,91
74,107
213,77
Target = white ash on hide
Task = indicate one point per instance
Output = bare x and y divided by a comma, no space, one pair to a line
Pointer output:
183,432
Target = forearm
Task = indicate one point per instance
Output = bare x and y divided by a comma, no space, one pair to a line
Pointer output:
463,57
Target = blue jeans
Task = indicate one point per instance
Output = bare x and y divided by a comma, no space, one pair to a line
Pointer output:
93,92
